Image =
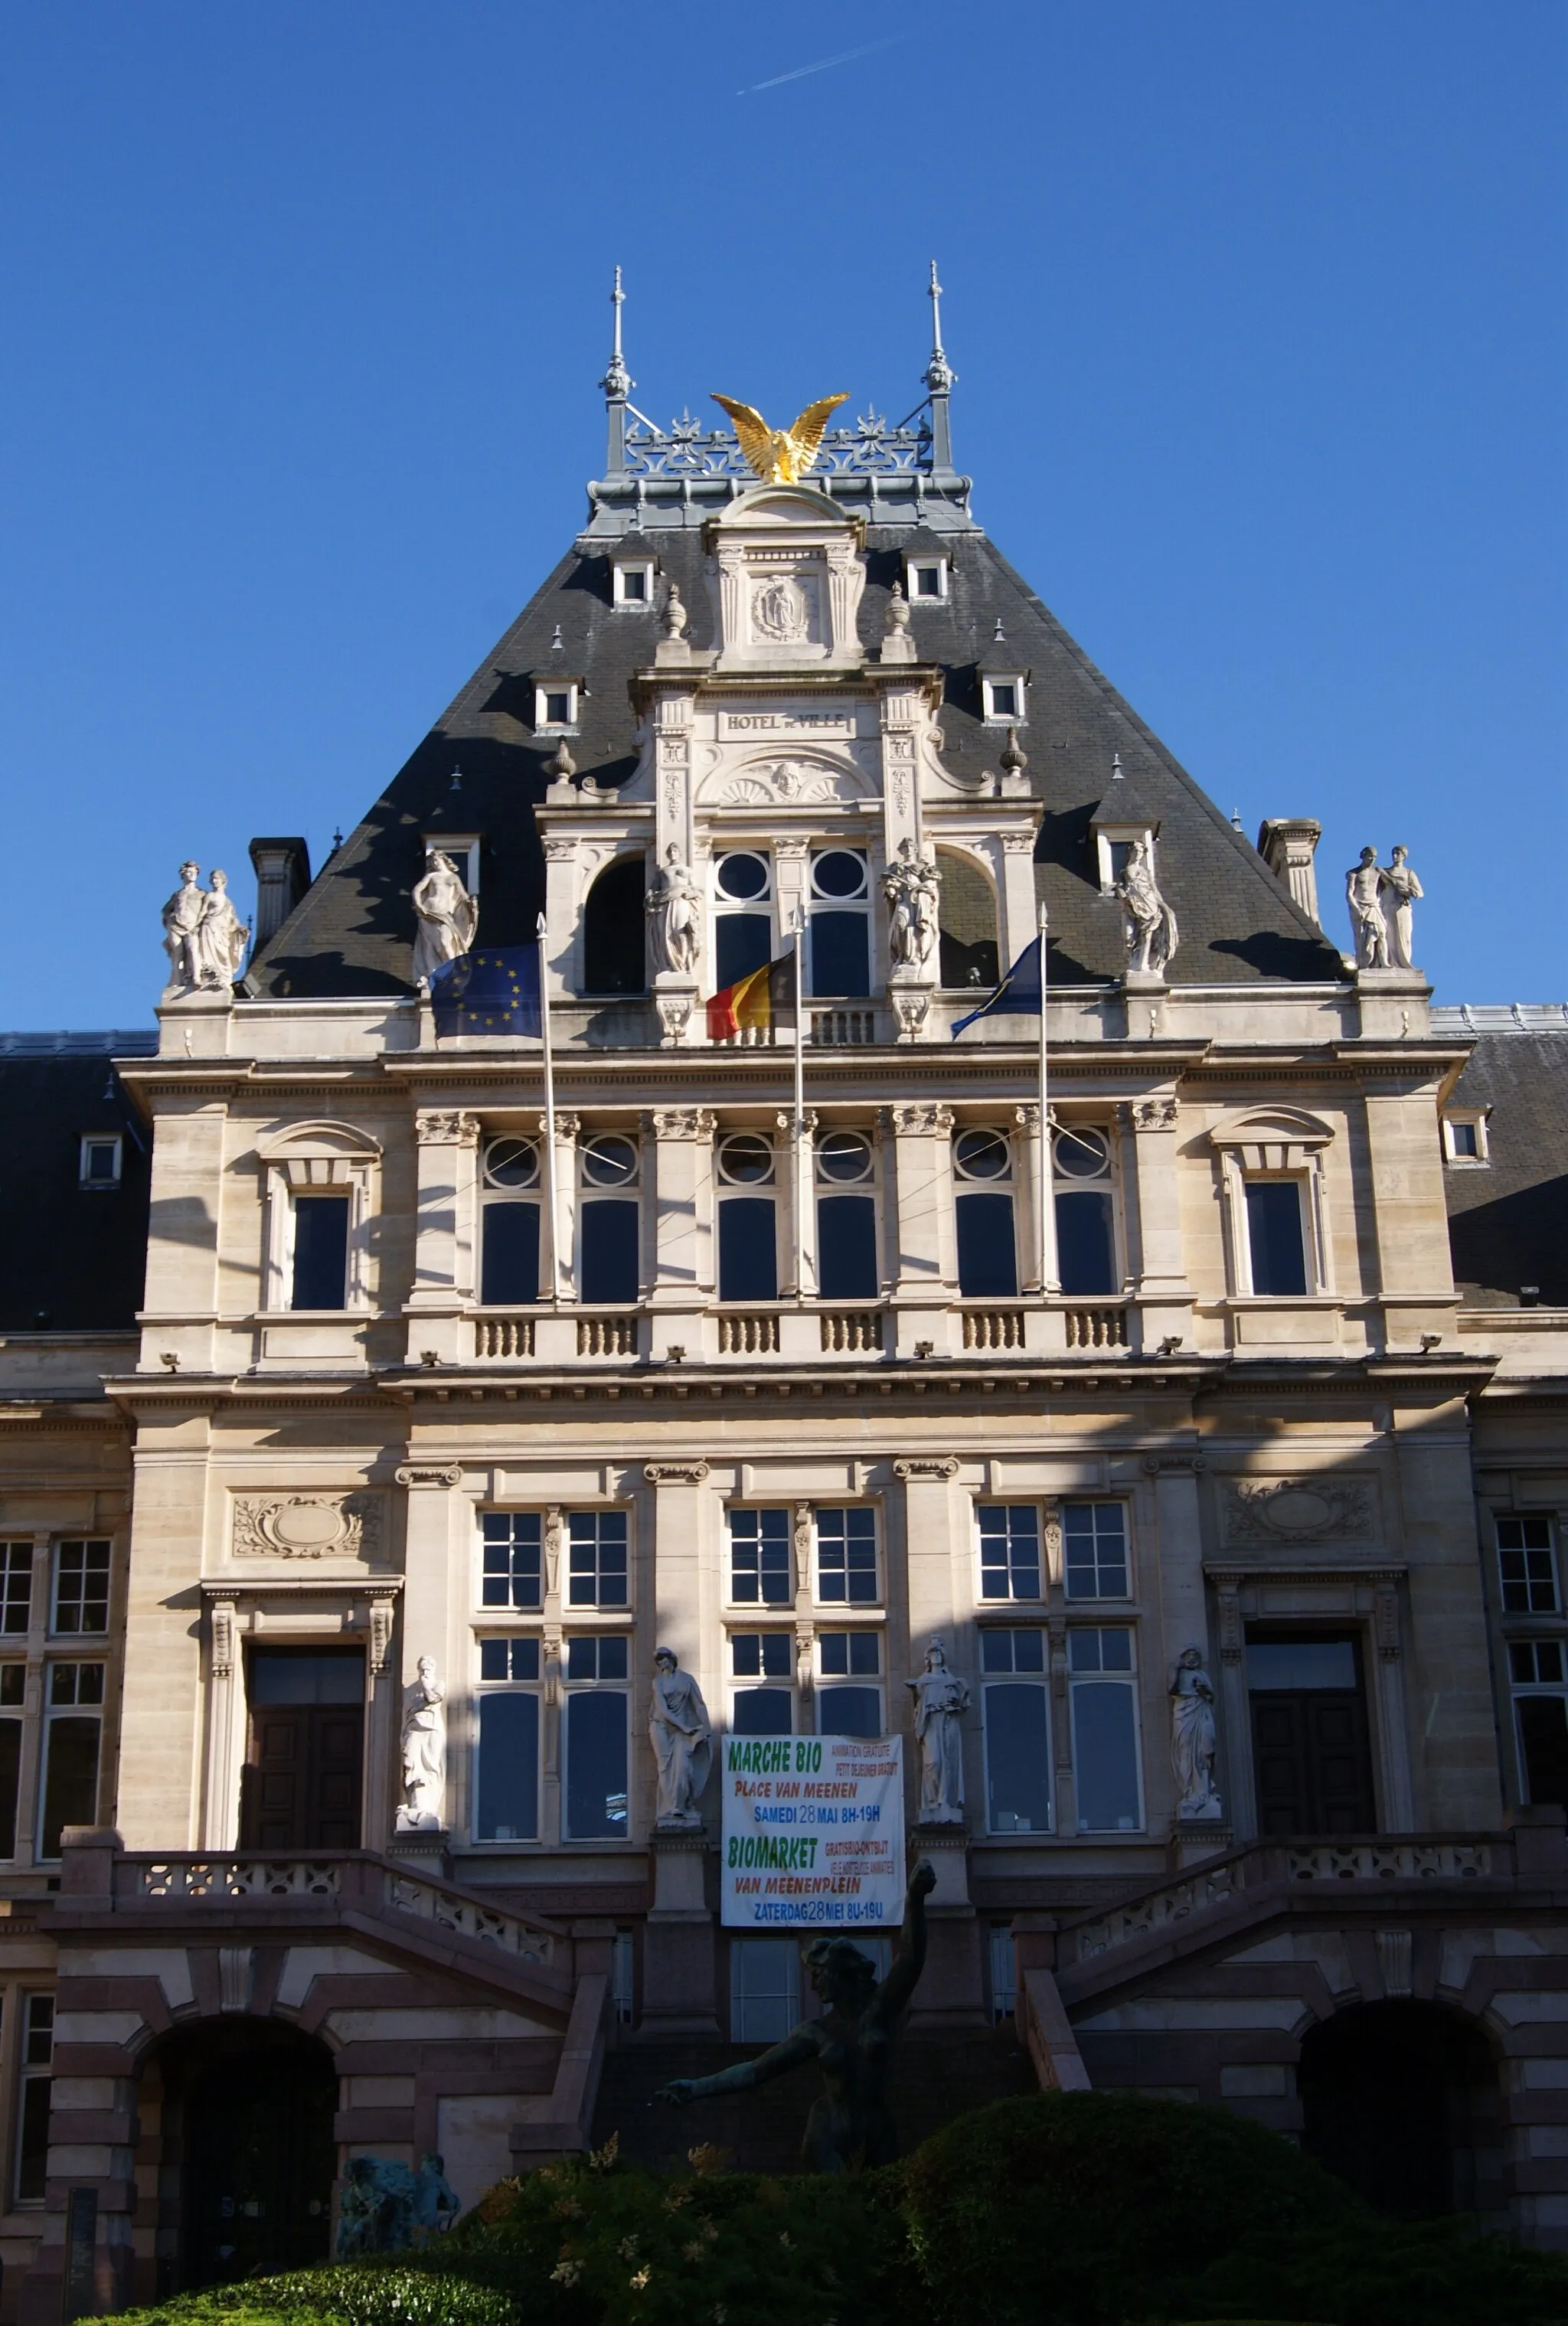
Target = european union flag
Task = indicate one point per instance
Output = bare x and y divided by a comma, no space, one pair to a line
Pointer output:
493,992
1018,991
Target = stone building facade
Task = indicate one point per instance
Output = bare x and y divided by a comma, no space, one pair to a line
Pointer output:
336,1569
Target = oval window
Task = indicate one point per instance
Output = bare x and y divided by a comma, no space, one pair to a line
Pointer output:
511,1163
1082,1154
839,873
745,1159
742,877
844,1155
982,1155
609,1162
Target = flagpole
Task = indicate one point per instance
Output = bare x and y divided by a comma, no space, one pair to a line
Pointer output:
1050,1280
550,1190
800,1119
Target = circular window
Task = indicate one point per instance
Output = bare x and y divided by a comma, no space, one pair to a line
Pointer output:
511,1163
742,877
844,1155
1082,1154
839,873
747,1159
609,1162
982,1155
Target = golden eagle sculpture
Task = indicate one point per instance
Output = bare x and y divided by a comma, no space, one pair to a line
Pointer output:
781,455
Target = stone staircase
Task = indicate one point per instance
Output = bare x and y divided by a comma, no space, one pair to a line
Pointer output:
934,2078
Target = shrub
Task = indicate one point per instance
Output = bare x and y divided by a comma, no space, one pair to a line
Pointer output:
417,2293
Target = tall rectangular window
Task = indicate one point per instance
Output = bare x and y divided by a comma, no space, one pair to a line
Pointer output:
596,1558
513,1556
595,1724
32,2099
81,1586
1540,1679
15,1586
13,1696
747,1249
506,1781
988,1260
72,1733
1105,1731
764,1989
762,1700
608,1270
1275,1238
1015,1707
1526,1565
1094,1549
760,1559
320,1278
846,1558
848,1701
1009,1551
509,1256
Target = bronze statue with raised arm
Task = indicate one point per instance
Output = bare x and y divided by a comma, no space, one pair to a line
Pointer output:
849,2126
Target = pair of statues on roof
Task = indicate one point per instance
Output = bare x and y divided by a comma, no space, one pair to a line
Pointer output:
1382,899
203,936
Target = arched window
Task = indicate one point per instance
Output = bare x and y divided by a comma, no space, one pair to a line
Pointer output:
615,957
967,922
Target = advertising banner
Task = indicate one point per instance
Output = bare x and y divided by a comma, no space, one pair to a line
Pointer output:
813,1832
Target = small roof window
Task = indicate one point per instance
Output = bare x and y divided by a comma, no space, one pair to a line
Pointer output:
102,1153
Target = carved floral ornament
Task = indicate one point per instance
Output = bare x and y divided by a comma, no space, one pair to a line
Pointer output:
442,1127
307,1526
794,782
922,1466
1296,1509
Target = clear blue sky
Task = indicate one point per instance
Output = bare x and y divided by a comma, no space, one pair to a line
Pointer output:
1257,311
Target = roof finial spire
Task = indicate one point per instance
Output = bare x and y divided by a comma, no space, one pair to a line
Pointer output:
940,380
618,384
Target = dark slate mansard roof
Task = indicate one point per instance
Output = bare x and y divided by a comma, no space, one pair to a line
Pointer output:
1508,1219
352,932
73,1258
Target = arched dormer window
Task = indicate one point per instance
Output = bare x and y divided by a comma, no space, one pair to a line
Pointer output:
320,1184
1271,1166
968,923
615,954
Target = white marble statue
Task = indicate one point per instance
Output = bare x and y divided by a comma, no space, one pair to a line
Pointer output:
1193,1738
912,888
682,1740
1364,894
941,1700
1399,888
221,937
674,911
182,920
424,1753
448,916
1152,935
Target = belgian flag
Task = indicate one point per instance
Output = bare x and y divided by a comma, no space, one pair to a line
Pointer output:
767,996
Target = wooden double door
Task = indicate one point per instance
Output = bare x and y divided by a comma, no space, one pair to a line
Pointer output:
1311,1750
304,1771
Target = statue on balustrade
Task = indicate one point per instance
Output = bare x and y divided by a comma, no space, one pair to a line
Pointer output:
682,1739
1399,888
850,2125
449,919
203,936
1364,894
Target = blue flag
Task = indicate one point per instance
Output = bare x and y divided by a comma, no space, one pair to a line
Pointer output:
492,991
1019,990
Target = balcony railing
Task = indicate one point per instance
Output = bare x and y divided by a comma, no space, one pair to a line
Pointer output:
993,1328
607,1337
749,1333
1096,1328
850,1331
502,1337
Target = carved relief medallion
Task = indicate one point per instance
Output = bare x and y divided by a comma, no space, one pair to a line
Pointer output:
1297,1510
307,1526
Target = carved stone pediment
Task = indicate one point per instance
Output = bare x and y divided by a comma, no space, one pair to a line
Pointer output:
1298,1510
307,1526
800,779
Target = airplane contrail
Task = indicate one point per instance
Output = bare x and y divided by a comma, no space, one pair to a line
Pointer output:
845,57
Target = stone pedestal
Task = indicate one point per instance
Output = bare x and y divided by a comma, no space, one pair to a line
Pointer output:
1395,1005
1147,997
680,1969
952,1989
675,999
422,1853
1193,1840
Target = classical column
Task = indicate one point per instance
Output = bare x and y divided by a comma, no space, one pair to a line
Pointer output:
1017,913
436,1558
921,1193
445,1270
681,1145
1157,1259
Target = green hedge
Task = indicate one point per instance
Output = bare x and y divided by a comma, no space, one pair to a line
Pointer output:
363,2294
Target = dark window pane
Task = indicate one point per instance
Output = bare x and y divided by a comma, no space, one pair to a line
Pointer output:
514,1560
596,1766
509,1273
1301,1663
1104,1757
508,1787
742,941
33,2143
1085,1252
759,1558
763,1711
320,1251
988,1262
1274,1234
847,1248
849,1712
1017,1760
841,963
1543,1736
289,1676
609,1252
10,1768
71,1786
614,954
747,1249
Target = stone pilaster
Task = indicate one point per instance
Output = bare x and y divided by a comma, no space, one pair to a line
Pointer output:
446,1235
922,1197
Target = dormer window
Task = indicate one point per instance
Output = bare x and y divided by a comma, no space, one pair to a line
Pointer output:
926,581
1464,1137
463,848
633,581
1004,695
1114,844
100,1161
555,705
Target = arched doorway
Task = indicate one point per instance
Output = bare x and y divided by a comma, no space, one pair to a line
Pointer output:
1401,2099
240,2114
